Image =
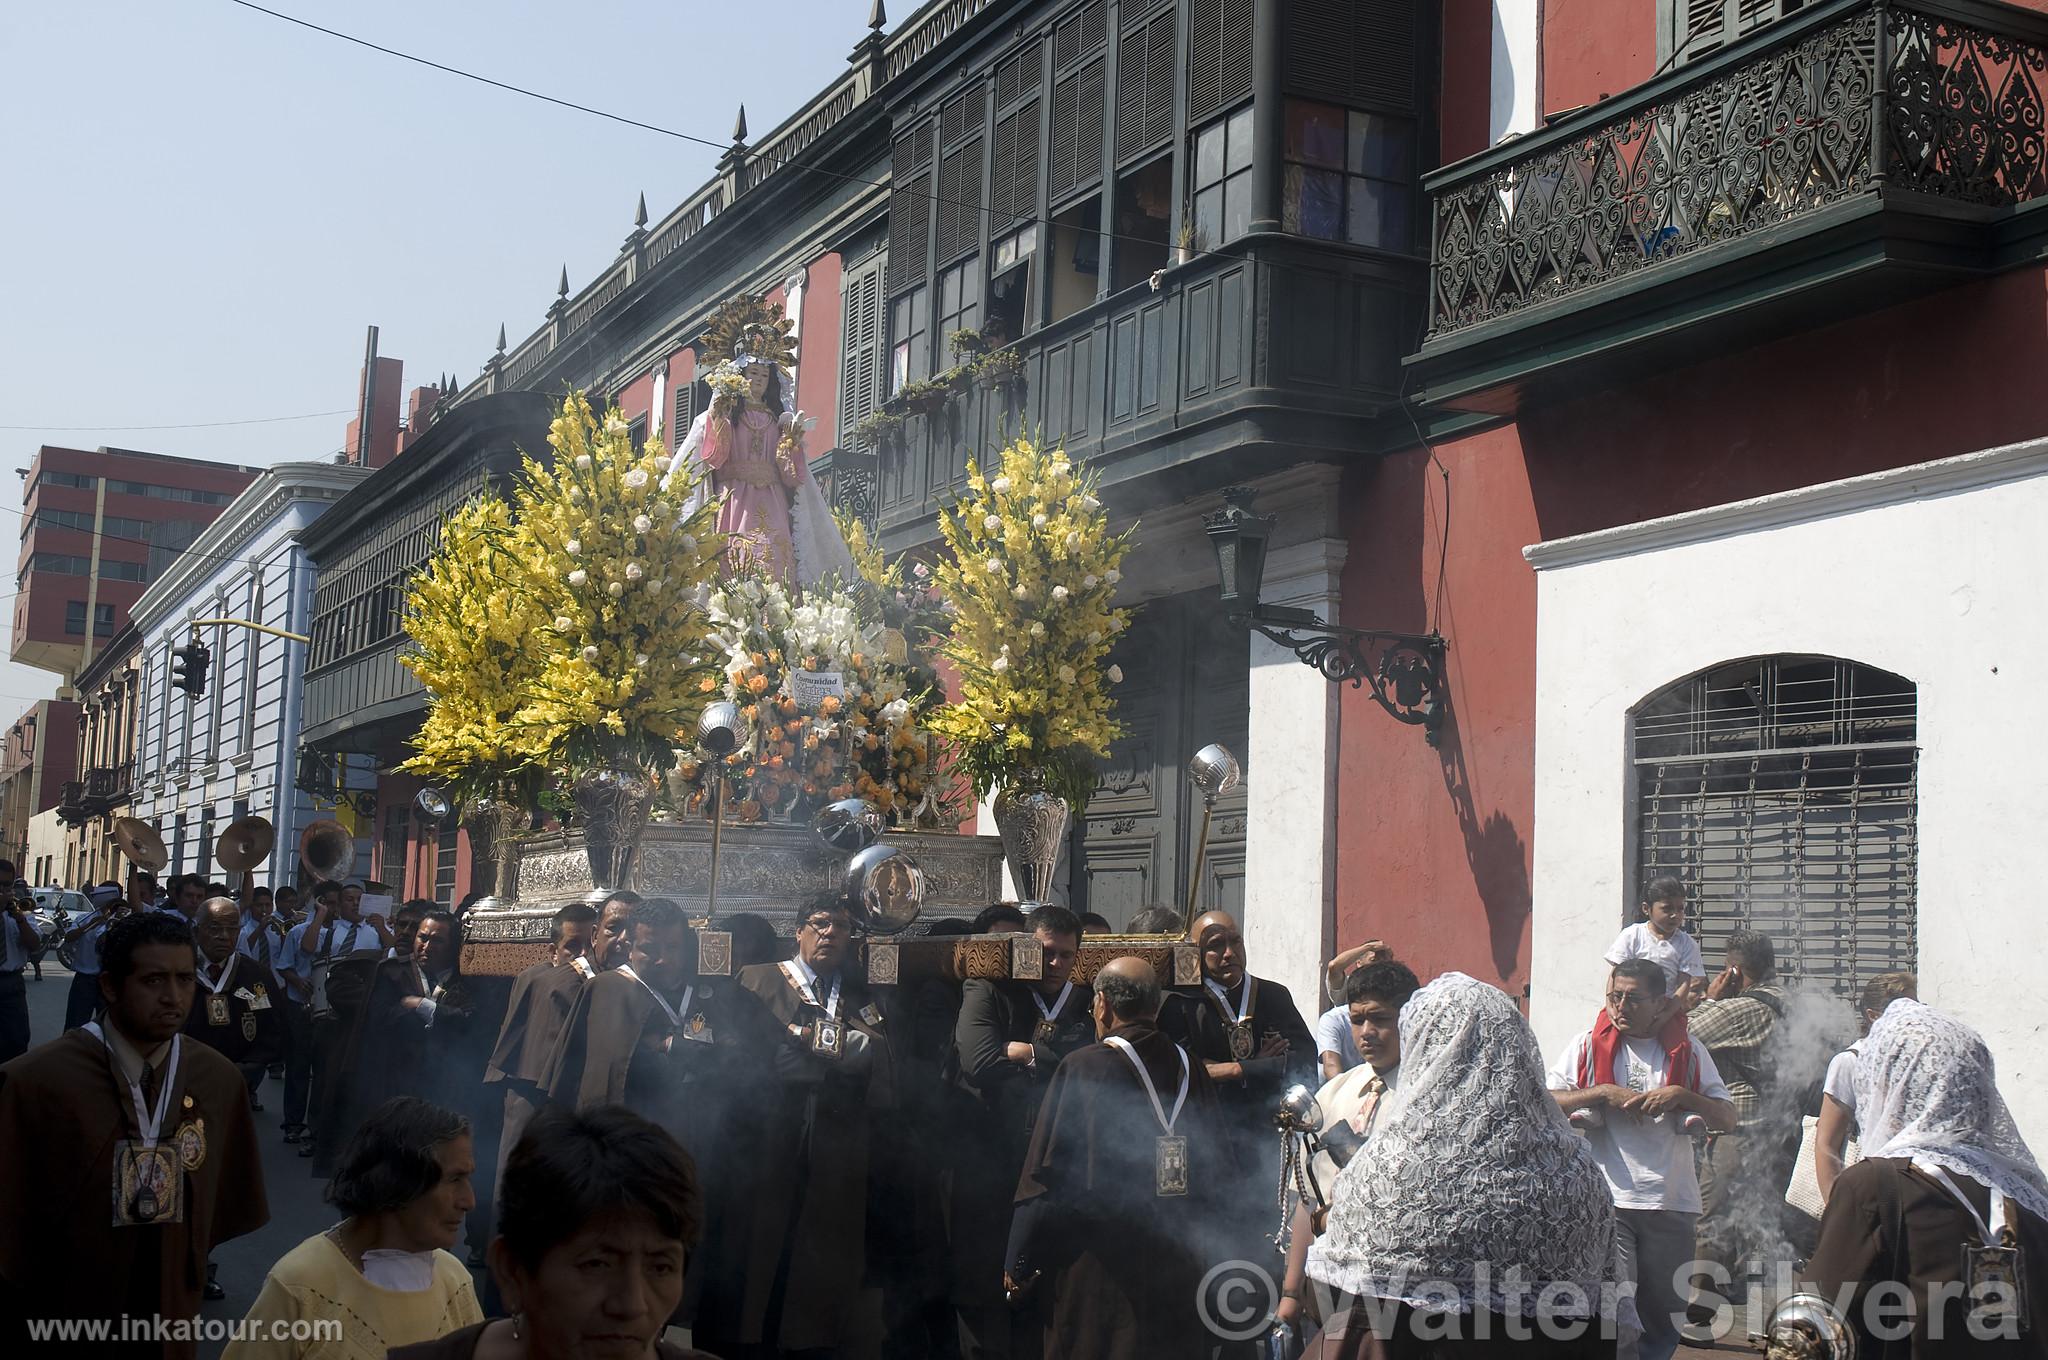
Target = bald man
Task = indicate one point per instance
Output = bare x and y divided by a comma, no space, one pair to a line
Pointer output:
1126,1166
238,1011
1253,1043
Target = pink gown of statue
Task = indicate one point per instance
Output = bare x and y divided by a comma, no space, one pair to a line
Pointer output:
757,477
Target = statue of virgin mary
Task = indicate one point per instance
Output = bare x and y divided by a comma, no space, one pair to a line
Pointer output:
748,449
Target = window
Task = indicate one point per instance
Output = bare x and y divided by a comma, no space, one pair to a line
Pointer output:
1781,791
1009,289
72,479
119,526
1144,219
1076,256
959,299
1350,175
636,433
168,493
860,338
1223,180
1689,29
68,564
908,358
74,619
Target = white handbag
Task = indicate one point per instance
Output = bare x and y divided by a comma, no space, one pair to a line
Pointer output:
1802,1192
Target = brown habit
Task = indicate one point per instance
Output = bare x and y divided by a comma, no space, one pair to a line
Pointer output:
1121,1263
63,1108
798,1249
252,1035
535,1013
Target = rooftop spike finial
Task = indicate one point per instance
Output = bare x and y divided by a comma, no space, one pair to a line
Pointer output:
878,18
562,288
501,337
739,126
640,213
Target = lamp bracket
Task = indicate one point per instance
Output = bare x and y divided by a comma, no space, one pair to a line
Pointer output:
1404,672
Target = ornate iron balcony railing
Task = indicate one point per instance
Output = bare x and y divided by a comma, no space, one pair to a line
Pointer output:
1936,97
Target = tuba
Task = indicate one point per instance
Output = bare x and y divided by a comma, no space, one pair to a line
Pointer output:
327,849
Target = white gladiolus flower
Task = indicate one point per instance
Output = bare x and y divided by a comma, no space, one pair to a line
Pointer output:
896,712
654,587
578,577
1037,630
583,462
640,661
563,623
999,485
616,589
641,524
1112,576
1059,592
1066,675
575,495
636,479
1038,521
1090,581
1094,636
689,544
992,523
1116,675
992,566
590,655
634,571
1073,540
999,665
1090,504
1021,593
1061,468
574,547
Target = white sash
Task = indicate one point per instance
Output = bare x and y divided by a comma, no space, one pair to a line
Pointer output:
148,1125
674,1013
829,1005
1244,1008
227,974
1993,1232
1166,1121
1053,1012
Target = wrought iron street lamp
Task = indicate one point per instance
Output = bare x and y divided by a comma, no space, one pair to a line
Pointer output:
1403,671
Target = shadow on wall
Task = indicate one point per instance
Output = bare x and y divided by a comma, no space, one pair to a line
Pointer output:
1495,851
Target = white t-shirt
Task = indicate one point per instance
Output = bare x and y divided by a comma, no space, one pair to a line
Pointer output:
1678,956
1333,1035
1840,1082
1648,1163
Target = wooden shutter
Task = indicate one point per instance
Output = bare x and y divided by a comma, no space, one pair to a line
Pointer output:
1077,130
960,201
1356,52
1013,178
860,348
1144,87
1219,56
1079,34
685,412
1018,75
910,209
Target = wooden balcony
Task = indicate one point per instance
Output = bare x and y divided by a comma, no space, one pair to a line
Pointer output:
1833,162
1277,347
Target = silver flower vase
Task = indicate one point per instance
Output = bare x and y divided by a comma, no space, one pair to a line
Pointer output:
613,802
492,825
1033,825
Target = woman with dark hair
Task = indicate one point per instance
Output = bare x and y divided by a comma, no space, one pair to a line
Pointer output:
384,1271
596,1218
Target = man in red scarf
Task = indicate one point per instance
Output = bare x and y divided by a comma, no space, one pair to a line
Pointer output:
1640,1070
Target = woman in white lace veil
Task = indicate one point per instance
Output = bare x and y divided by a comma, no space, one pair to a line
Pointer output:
819,548
1927,1091
1472,1172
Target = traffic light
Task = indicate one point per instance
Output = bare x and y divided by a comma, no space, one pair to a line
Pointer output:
188,668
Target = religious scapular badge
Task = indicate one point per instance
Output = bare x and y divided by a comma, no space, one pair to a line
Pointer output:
871,1014
1049,1016
697,1029
216,1010
249,1026
1994,1274
191,1144
1170,1151
1237,1023
258,999
148,1182
828,1038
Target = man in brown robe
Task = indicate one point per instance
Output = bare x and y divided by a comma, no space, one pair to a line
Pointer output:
68,1115
1111,1223
1247,1034
535,1011
817,1065
237,1012
1010,1039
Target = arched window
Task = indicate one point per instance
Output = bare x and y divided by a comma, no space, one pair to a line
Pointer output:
1780,790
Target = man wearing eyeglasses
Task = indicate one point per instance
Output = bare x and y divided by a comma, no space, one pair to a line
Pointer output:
1642,1074
813,1037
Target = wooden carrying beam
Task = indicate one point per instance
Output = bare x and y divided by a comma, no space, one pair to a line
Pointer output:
893,962
506,943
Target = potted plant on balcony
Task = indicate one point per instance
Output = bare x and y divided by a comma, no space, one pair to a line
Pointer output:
1030,581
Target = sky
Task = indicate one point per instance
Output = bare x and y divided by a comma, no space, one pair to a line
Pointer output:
206,205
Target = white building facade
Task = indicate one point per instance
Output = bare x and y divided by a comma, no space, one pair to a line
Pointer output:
204,762
1819,702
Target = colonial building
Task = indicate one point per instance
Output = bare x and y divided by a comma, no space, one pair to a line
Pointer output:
361,705
37,759
102,788
204,761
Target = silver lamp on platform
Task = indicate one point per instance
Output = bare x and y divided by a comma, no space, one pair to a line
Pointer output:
1214,772
720,729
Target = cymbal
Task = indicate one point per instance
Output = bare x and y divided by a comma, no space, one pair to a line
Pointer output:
139,844
244,844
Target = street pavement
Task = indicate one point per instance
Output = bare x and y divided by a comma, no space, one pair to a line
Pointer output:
296,1208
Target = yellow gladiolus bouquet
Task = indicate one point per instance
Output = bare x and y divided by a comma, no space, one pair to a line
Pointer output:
472,649
617,575
1030,582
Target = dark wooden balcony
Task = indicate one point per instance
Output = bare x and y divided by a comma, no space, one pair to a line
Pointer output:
1843,159
110,785
1274,347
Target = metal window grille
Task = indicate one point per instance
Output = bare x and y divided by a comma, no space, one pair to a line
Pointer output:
1782,792
444,865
